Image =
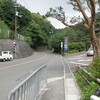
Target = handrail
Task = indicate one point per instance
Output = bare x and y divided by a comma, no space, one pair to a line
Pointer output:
96,95
31,87
97,80
93,97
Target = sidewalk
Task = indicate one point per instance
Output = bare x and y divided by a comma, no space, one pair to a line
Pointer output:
72,91
61,87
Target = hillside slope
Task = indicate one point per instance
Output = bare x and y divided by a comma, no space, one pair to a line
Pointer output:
23,51
5,31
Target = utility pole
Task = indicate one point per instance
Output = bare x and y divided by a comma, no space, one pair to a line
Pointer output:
15,44
16,14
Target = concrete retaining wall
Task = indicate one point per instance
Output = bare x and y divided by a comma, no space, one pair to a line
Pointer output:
24,49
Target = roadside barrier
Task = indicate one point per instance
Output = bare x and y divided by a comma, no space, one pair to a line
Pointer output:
31,87
93,97
96,95
97,80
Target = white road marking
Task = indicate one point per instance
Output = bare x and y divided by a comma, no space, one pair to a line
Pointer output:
85,60
54,79
78,63
78,57
64,78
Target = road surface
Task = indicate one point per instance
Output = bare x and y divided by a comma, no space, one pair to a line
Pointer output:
77,59
14,72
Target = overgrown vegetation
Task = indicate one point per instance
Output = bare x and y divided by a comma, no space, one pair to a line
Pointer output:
5,31
34,27
77,39
88,88
37,30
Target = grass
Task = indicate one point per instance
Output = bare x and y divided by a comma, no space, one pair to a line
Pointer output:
88,89
4,30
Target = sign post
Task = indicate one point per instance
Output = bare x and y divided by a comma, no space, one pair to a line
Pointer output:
61,47
66,44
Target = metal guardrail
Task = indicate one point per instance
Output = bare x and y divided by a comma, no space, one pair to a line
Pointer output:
97,80
96,95
31,87
93,97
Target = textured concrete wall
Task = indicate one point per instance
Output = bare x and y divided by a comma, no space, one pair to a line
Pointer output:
23,49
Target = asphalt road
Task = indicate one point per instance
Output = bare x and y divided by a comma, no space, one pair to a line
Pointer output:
55,89
58,72
77,59
14,72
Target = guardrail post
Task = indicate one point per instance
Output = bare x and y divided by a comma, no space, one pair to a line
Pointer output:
93,97
31,87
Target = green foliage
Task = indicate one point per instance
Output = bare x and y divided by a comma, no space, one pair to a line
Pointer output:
73,51
36,28
78,40
38,31
5,32
41,30
79,46
56,40
97,26
28,39
95,68
44,24
88,89
37,35
24,18
7,12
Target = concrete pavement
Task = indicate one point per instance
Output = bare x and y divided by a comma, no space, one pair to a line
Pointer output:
71,88
72,92
62,87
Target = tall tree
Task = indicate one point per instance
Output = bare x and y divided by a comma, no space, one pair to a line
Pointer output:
7,12
88,21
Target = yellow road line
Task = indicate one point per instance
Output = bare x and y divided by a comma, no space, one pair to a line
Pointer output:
24,62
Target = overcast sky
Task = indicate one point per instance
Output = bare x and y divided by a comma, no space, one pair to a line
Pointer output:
42,6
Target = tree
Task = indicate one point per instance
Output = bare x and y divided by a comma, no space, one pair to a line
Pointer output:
7,12
41,29
89,22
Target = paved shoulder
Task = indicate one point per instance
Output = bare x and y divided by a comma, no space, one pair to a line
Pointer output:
55,88
72,91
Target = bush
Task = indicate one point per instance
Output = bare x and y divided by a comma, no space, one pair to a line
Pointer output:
73,51
95,68
79,46
88,89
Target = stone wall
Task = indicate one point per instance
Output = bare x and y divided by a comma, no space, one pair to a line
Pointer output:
24,50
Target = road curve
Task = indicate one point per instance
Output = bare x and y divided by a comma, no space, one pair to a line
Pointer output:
13,72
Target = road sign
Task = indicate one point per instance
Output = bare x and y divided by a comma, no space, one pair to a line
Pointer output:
61,44
66,43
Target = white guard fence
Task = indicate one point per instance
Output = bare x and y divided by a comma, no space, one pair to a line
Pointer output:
31,87
93,97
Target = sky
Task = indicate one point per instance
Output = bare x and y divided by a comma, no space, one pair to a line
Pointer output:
42,6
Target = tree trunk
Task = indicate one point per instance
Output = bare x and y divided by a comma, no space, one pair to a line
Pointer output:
95,41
